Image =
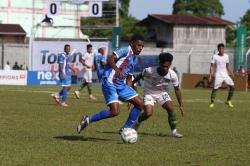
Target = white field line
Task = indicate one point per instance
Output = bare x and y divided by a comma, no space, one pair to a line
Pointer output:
84,94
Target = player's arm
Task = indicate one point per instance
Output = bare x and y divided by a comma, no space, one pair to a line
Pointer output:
211,72
229,69
112,62
61,67
129,81
179,98
137,78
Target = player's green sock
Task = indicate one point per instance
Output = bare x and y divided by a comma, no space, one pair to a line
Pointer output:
213,95
172,119
89,88
82,86
230,94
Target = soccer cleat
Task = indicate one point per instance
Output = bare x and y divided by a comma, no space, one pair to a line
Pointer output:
77,94
120,131
177,135
56,99
84,123
64,105
92,97
229,103
211,105
135,125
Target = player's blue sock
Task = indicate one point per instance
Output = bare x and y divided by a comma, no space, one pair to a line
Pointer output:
134,114
64,95
104,114
61,92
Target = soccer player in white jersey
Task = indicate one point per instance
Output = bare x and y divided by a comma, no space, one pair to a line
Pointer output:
156,85
221,70
87,61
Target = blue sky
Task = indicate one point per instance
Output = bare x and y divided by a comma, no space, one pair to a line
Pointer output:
234,9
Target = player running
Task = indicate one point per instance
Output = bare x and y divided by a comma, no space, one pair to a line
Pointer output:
64,75
156,83
220,68
120,67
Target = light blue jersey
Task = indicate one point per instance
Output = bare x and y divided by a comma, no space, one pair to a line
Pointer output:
114,88
64,63
126,63
99,59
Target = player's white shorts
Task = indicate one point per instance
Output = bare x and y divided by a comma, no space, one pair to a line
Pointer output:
88,76
160,98
219,80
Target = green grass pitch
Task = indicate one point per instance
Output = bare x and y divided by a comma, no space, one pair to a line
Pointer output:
35,131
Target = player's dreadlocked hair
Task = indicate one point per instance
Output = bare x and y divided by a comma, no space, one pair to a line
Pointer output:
165,57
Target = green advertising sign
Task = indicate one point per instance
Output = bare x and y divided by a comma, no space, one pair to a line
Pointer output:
241,47
116,32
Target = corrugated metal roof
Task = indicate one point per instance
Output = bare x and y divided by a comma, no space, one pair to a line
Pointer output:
12,29
188,20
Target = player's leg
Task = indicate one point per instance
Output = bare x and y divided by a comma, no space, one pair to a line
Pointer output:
111,97
134,113
65,95
230,84
168,106
217,83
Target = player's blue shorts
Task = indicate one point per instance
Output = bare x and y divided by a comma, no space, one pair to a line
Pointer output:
67,81
99,73
113,94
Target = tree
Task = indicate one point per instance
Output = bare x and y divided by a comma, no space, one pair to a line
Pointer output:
198,7
245,20
127,22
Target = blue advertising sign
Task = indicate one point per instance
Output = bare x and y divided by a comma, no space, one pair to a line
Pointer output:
43,78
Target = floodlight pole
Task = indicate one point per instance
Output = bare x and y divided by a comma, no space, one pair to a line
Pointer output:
117,13
31,35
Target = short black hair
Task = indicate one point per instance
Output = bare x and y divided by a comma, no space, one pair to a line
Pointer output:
100,50
66,45
220,45
137,37
165,57
89,46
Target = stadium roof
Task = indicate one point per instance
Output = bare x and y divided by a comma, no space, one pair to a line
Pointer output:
11,29
186,20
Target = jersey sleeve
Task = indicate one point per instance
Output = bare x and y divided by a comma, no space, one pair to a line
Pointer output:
121,52
146,72
213,59
84,56
227,60
174,79
61,61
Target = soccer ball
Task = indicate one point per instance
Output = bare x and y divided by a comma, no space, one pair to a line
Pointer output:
129,135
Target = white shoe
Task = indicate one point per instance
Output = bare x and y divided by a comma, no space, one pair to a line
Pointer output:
92,97
64,105
77,94
176,134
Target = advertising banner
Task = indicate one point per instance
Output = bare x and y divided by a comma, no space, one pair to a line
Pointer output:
43,78
45,53
13,77
241,47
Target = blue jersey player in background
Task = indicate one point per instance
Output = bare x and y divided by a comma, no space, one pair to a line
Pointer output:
120,66
64,75
100,62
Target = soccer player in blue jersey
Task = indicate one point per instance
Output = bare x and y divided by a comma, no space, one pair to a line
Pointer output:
100,62
120,66
64,75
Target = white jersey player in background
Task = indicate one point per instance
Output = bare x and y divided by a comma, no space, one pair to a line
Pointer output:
156,83
88,62
221,70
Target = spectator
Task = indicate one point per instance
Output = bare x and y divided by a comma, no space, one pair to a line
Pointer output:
24,66
241,71
16,66
7,66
